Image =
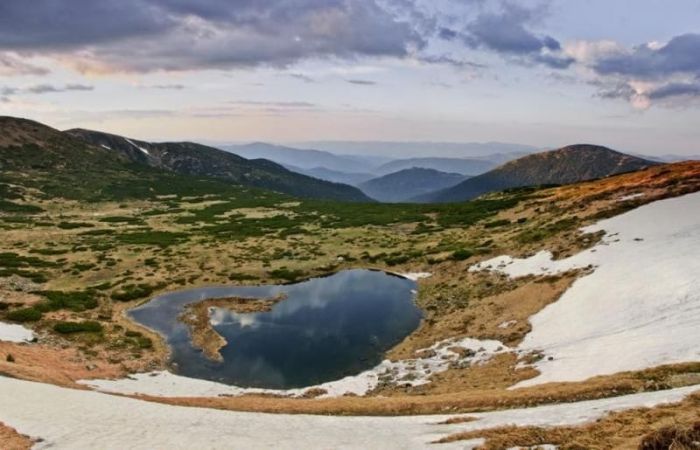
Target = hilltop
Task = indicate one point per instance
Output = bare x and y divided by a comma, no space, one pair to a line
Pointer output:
408,183
571,164
189,158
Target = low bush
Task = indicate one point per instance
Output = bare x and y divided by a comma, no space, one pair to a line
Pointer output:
134,292
285,274
87,326
24,315
74,225
75,301
462,254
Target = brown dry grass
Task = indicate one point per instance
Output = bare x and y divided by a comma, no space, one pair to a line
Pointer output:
674,437
60,366
667,427
10,439
484,318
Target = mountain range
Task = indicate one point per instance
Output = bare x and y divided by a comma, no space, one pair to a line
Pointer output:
405,184
566,165
188,158
91,160
463,166
300,158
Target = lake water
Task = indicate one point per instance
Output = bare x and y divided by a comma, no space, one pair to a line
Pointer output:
327,328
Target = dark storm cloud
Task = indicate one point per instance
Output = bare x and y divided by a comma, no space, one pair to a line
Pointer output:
144,35
55,24
508,33
679,56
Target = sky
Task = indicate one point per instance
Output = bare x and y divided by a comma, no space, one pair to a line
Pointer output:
620,73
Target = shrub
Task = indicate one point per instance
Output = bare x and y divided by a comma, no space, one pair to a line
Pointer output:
75,301
285,274
462,254
74,225
144,342
134,292
241,277
87,326
24,315
497,223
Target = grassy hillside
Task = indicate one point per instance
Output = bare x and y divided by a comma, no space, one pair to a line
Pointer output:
188,158
567,165
405,184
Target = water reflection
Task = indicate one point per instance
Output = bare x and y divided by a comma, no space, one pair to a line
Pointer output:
327,328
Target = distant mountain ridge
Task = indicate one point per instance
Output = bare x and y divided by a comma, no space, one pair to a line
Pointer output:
194,159
463,166
302,158
336,176
566,165
405,184
403,150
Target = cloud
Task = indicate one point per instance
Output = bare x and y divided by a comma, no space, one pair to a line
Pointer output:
167,87
667,74
450,61
275,104
7,92
675,90
49,89
654,61
362,82
507,32
11,65
149,35
302,77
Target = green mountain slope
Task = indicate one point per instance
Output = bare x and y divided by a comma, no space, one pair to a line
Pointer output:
188,158
567,165
406,184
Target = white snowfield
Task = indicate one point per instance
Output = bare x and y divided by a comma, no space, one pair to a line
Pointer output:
75,419
15,333
639,308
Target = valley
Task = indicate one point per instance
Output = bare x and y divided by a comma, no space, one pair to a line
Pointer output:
77,266
349,225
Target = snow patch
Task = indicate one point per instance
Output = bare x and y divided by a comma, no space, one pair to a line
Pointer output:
414,372
415,276
639,308
508,324
107,147
15,333
145,151
77,419
631,197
